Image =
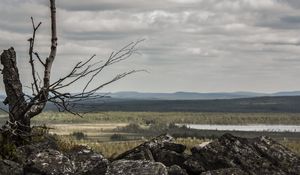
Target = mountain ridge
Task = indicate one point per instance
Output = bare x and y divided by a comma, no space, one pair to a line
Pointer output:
181,95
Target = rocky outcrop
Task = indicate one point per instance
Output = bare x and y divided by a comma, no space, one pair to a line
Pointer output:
44,158
226,155
136,167
160,156
253,156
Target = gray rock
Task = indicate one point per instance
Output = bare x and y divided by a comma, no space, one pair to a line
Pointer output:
254,156
27,150
228,171
194,166
8,167
136,167
179,148
169,158
138,153
49,162
176,170
144,151
88,162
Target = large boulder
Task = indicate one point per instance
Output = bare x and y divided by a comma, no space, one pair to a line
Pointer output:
49,162
144,151
136,167
159,149
255,156
87,162
10,168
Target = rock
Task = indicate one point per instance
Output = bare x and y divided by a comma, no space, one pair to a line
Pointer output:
88,162
10,168
228,171
49,162
193,166
176,170
169,158
136,167
179,148
27,150
138,153
277,154
254,156
144,151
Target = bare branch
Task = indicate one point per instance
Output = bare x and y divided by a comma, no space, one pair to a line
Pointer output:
31,60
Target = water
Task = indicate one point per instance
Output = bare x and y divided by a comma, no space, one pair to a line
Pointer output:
255,127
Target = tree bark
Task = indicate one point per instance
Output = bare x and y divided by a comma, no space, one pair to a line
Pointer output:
13,87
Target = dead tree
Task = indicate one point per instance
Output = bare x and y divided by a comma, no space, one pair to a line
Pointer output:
23,107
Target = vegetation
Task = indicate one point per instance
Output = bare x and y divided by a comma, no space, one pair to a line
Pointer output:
257,104
148,118
113,148
78,135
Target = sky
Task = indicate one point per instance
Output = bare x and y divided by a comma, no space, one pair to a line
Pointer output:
190,45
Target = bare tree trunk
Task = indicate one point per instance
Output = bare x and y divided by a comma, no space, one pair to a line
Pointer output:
50,59
15,96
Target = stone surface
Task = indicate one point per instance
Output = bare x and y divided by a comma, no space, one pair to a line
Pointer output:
176,170
144,151
160,156
136,167
168,157
49,162
88,162
27,150
179,148
194,166
8,167
255,156
228,171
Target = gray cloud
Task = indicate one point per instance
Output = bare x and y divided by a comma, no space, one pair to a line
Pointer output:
191,45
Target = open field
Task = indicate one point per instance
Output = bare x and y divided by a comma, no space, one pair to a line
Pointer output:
170,117
99,128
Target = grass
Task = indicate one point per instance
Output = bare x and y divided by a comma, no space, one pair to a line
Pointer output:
112,149
168,117
99,127
293,145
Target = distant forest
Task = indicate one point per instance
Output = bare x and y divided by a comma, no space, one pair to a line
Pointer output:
258,104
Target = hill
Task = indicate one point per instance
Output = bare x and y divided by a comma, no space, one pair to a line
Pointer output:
257,104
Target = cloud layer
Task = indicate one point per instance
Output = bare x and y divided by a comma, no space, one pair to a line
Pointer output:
191,45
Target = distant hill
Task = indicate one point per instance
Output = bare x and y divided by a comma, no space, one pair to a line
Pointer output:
256,104
191,102
195,95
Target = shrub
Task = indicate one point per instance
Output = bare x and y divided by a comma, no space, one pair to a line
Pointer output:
117,137
78,135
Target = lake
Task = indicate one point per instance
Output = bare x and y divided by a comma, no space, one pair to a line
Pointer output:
255,127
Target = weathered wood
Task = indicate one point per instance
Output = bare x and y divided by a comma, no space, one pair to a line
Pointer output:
13,88
50,59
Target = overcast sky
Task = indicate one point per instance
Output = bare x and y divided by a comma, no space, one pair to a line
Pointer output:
191,45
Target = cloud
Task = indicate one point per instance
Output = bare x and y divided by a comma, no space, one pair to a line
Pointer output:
192,45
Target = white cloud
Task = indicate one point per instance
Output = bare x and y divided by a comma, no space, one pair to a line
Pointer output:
228,44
